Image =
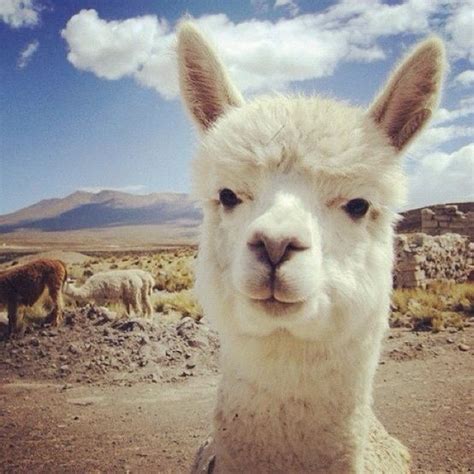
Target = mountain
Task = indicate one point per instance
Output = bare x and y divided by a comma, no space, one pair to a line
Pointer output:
104,210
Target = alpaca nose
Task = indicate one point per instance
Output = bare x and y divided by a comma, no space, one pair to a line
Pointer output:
274,250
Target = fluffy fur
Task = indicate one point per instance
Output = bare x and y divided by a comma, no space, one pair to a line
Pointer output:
298,289
132,288
147,290
25,284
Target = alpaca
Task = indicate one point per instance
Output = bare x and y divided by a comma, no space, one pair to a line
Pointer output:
23,285
147,290
295,260
129,287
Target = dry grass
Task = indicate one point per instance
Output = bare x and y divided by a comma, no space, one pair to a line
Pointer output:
175,272
440,306
39,312
171,268
183,302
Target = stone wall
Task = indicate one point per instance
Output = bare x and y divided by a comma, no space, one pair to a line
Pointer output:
422,259
440,219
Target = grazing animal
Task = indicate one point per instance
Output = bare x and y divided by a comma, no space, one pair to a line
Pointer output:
295,261
23,285
147,290
128,287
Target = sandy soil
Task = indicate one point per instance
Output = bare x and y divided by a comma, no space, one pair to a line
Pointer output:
423,395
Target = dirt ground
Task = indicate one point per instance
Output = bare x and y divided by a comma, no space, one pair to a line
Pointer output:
423,395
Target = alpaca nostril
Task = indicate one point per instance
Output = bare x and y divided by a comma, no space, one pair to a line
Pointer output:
274,251
259,249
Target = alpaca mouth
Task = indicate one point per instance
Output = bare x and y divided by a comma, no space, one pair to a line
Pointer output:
275,307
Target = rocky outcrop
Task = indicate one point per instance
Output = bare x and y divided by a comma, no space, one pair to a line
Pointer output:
440,219
422,259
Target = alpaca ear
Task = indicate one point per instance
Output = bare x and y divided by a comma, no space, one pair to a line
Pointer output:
205,86
411,95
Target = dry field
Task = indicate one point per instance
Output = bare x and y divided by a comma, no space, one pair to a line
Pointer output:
109,393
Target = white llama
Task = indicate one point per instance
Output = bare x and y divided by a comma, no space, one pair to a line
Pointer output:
295,262
129,287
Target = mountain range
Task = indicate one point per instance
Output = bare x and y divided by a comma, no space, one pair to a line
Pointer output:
107,213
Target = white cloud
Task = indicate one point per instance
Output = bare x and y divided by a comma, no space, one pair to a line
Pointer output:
436,136
447,125
111,49
372,18
19,13
132,188
466,108
290,5
459,30
467,102
442,177
27,53
465,78
260,6
260,54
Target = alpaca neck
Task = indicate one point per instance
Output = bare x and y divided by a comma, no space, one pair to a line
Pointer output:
75,291
311,404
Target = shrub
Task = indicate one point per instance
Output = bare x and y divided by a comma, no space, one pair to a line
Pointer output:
183,302
438,307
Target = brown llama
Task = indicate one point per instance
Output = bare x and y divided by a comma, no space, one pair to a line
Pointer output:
23,285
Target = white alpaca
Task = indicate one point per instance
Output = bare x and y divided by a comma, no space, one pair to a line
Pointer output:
295,262
129,287
147,290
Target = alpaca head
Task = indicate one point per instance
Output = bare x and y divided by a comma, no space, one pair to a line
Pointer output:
298,196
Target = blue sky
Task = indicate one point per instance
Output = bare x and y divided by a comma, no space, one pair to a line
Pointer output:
88,91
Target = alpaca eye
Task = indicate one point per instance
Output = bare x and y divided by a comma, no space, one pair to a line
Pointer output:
228,198
357,207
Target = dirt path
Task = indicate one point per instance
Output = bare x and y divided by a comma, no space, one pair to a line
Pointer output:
149,428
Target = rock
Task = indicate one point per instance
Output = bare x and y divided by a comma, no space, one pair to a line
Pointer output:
186,325
64,368
463,347
422,259
73,349
198,342
81,402
34,341
130,325
450,340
